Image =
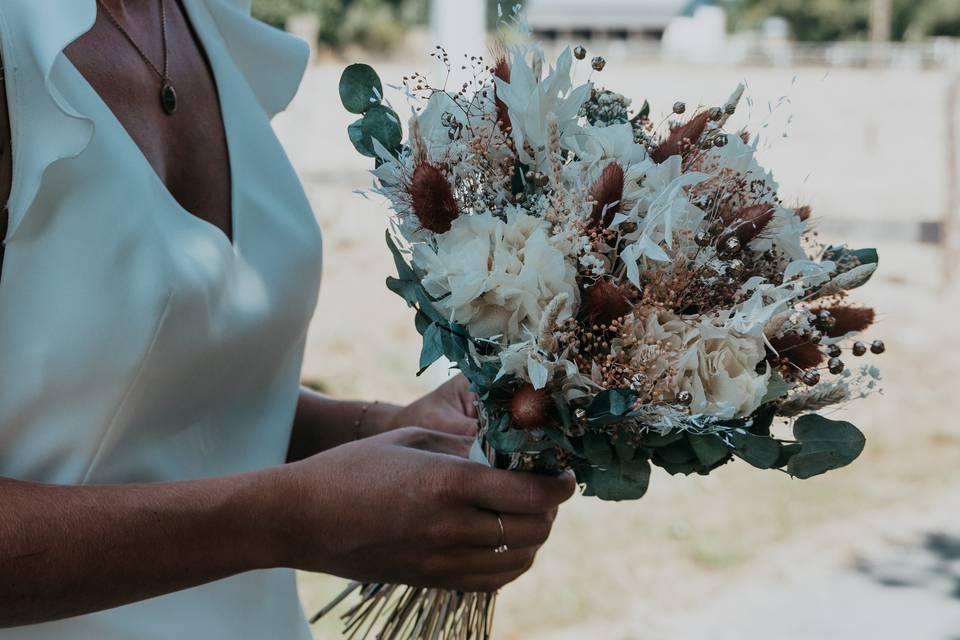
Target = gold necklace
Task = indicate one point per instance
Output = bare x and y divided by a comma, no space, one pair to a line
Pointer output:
168,95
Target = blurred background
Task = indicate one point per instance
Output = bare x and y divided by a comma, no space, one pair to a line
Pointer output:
857,103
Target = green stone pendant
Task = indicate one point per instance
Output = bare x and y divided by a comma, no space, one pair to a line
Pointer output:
168,98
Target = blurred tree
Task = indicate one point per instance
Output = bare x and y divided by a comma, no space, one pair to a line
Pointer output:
827,20
276,12
935,18
379,24
373,23
810,20
330,15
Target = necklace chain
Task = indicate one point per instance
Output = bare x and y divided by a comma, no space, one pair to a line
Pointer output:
163,75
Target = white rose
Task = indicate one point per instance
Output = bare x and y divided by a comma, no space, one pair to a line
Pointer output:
719,369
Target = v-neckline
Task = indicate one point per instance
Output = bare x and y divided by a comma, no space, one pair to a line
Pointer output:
202,37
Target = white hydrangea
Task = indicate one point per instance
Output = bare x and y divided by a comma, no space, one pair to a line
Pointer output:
496,277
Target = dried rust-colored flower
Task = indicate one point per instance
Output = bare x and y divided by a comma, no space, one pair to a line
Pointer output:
607,193
798,351
749,223
603,303
848,320
803,212
682,139
432,199
531,408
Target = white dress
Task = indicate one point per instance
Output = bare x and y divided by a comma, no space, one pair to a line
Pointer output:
137,343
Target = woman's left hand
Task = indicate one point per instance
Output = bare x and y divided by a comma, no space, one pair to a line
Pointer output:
322,423
450,409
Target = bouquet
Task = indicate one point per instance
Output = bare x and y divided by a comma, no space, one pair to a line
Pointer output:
621,294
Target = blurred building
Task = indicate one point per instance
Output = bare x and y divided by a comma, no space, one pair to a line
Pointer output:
617,19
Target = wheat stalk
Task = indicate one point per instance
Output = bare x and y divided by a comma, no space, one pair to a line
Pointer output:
548,322
846,281
819,397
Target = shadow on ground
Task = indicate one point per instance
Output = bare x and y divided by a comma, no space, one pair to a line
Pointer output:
932,565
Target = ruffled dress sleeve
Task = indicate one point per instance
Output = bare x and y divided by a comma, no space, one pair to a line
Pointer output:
272,61
45,127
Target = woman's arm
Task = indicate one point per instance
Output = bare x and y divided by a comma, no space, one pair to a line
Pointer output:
71,550
322,423
400,507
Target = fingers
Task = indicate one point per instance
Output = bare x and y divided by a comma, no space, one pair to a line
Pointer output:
512,492
470,408
490,583
468,401
434,441
458,425
478,571
524,531
481,530
484,583
480,562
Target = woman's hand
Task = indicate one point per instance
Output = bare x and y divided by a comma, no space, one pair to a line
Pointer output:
406,507
322,423
449,409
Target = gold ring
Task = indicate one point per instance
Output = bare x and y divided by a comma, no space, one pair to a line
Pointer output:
502,547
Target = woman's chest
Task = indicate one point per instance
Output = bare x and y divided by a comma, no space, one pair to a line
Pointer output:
129,59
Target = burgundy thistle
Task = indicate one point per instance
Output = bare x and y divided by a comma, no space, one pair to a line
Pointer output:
848,320
750,222
531,408
502,71
798,351
682,138
607,193
432,199
603,303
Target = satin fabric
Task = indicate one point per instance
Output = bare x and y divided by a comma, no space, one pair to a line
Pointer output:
137,342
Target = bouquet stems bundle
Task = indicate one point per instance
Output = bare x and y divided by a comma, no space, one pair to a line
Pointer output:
394,612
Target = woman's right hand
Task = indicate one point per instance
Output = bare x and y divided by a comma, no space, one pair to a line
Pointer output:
407,507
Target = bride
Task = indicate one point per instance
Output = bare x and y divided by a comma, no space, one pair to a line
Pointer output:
161,471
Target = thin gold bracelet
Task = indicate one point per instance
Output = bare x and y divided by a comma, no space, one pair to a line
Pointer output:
359,421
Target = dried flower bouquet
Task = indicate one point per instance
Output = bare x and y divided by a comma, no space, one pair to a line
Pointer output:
620,294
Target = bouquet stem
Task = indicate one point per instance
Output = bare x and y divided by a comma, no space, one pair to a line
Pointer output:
393,612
